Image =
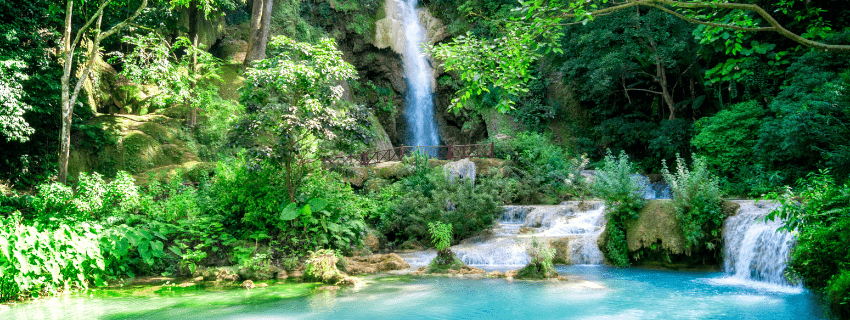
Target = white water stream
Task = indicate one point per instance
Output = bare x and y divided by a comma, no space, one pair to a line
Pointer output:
754,252
578,223
419,105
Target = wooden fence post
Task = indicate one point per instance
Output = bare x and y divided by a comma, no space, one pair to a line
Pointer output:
492,153
363,160
449,152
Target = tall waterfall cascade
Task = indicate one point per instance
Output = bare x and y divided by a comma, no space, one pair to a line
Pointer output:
419,103
576,223
753,248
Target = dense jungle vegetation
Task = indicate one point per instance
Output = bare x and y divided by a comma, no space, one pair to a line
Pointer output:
185,152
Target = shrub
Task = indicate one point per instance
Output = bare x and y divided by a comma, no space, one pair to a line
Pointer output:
839,294
441,234
621,191
545,172
822,220
467,208
540,266
696,199
727,140
34,261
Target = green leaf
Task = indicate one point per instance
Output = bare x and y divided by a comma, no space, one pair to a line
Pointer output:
289,212
318,204
175,250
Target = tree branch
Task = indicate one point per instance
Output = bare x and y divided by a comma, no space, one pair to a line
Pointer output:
650,91
774,25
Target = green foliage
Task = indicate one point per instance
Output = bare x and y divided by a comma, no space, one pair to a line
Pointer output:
727,142
620,188
293,100
822,220
616,248
808,130
696,199
540,266
94,199
409,205
441,234
35,261
321,266
544,171
839,294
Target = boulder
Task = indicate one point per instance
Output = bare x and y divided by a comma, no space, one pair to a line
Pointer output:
461,169
376,263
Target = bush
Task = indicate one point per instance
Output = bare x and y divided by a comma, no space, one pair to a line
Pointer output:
839,294
621,191
696,199
540,266
94,199
467,208
727,141
35,262
546,174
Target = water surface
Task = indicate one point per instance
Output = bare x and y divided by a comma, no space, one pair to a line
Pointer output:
614,294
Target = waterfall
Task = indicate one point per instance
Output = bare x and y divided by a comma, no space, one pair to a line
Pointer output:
753,249
577,223
419,105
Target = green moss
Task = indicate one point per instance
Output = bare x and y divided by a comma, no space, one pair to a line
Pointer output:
537,271
656,228
156,131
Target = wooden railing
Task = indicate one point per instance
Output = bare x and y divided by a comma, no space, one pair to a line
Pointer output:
449,152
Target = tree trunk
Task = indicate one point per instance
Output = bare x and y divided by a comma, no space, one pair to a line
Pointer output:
261,13
661,78
264,29
69,97
193,63
65,135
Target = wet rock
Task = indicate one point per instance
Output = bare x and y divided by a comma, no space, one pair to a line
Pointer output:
412,245
462,169
495,274
296,274
186,284
656,225
198,279
259,272
281,275
261,285
248,284
730,208
226,275
376,263
328,288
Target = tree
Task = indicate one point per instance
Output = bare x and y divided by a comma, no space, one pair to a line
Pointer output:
69,47
261,14
543,18
292,100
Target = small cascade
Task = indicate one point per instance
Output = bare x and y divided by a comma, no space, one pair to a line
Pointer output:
580,223
419,104
753,249
654,190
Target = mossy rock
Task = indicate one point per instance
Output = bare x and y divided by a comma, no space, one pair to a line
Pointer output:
656,226
730,208
445,262
562,251
135,98
393,170
192,171
536,271
142,143
375,185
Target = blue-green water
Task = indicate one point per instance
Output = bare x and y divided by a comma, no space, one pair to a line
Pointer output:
610,294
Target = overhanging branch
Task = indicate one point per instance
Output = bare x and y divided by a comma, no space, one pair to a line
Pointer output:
775,26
